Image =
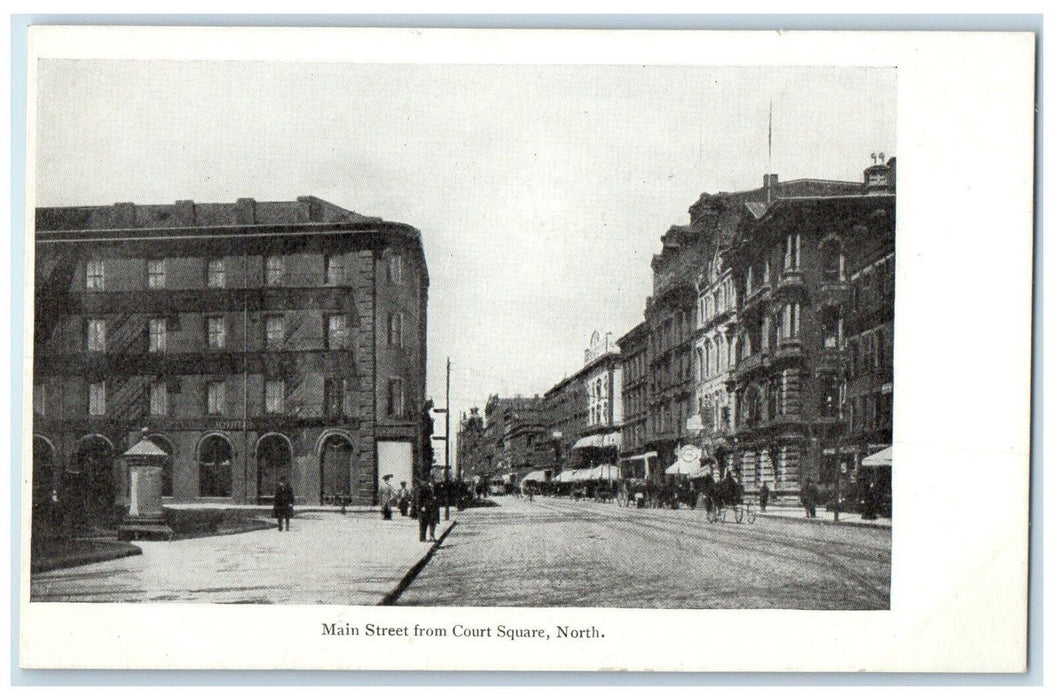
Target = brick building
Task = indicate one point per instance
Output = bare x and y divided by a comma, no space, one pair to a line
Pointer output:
253,340
635,455
789,262
508,439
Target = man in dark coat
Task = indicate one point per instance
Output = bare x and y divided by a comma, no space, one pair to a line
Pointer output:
763,495
427,510
283,503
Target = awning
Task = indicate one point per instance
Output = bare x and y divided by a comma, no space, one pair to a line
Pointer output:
606,472
613,439
645,456
536,476
689,468
882,458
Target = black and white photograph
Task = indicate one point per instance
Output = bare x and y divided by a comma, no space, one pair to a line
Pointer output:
465,335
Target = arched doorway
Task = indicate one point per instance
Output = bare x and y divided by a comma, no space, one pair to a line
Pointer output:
215,458
166,471
335,459
93,492
43,480
274,459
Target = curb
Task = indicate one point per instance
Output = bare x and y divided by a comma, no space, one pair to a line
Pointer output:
408,578
846,523
115,552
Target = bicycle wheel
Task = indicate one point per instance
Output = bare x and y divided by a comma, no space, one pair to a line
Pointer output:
738,509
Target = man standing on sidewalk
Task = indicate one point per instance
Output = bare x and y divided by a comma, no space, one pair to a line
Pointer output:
386,496
283,503
427,510
763,495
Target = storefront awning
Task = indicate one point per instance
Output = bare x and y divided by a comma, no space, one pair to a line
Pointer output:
882,458
646,456
536,476
689,468
612,439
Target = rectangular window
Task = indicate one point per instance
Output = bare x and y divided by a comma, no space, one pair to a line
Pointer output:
395,330
792,252
275,330
275,270
217,332
396,407
159,399
158,334
97,335
216,397
334,269
216,274
39,402
337,332
96,275
274,396
97,399
790,325
335,390
155,274
395,269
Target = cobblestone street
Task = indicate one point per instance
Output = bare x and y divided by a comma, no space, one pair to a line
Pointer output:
558,552
325,558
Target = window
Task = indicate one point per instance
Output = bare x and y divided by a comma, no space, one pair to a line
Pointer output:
335,391
217,332
337,332
158,330
396,404
750,280
216,273
216,395
96,275
97,399
159,399
830,398
334,269
274,327
790,325
274,396
833,263
39,402
155,274
832,332
792,252
274,270
395,269
97,335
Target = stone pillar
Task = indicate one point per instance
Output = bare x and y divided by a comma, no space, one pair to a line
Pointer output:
145,519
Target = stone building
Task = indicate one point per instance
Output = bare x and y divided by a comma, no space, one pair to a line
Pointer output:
508,439
635,456
253,340
789,263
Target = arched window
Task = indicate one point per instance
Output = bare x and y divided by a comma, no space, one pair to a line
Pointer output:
274,460
215,458
722,359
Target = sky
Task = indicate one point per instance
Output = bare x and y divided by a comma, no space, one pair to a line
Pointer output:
541,192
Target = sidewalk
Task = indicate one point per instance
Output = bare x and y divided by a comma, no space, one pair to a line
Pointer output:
326,558
797,512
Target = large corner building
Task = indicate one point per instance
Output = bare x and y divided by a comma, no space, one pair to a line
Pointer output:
252,341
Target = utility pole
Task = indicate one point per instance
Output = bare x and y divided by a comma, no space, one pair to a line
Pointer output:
446,439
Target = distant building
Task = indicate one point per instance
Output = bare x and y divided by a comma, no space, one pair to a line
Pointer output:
635,372
253,340
583,413
506,442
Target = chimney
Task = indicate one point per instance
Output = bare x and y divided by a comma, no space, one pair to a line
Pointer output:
769,185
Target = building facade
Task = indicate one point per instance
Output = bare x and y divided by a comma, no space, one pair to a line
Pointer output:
254,341
634,350
505,442
789,263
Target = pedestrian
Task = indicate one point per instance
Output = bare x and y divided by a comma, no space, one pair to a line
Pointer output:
870,502
386,494
427,511
763,495
403,498
283,503
803,496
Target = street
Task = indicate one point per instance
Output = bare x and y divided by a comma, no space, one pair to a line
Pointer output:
559,552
